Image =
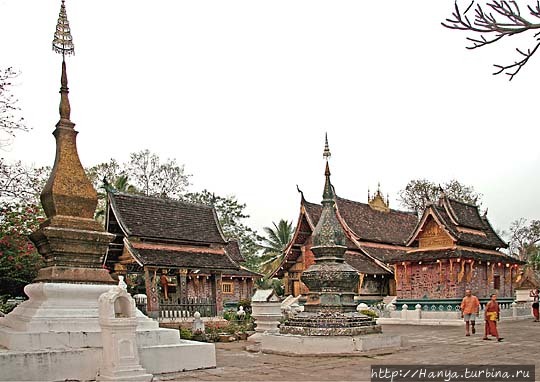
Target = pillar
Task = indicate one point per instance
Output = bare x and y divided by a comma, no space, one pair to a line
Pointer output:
286,286
183,293
152,301
218,293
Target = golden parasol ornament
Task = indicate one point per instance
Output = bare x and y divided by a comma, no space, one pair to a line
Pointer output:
63,41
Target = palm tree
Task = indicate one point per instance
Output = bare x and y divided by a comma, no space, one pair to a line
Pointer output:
278,237
121,184
274,245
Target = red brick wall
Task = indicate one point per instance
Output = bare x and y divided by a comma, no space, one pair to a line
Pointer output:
424,280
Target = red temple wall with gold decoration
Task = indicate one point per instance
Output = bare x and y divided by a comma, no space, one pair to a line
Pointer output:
442,280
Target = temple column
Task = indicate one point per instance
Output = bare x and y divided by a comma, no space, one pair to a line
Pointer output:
183,293
218,293
286,286
152,298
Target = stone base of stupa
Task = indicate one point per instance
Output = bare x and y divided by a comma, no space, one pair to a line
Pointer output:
296,345
329,333
55,335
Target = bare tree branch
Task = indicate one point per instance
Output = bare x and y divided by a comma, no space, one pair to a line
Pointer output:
495,20
10,121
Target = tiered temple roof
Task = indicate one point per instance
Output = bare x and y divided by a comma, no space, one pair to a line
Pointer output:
373,234
166,219
453,229
170,234
463,223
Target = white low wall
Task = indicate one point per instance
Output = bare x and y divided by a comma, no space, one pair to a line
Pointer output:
417,316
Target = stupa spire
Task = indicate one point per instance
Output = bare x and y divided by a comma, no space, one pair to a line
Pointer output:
69,198
68,191
328,231
332,283
63,44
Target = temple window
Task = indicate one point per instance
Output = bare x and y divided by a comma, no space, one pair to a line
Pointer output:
496,282
227,287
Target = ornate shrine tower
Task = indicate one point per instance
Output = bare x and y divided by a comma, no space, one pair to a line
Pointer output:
330,309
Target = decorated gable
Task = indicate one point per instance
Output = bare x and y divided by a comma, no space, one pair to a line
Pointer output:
433,235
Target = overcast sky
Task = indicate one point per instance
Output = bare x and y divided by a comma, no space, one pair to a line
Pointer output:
242,92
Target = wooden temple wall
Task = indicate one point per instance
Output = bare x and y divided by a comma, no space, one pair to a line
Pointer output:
237,290
199,286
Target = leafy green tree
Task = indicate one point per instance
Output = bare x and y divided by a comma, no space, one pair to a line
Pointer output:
419,192
19,260
271,283
231,215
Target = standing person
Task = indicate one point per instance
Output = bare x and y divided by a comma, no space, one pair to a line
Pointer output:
534,295
469,310
492,315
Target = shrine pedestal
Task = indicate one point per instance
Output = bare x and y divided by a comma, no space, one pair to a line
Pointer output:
288,344
56,335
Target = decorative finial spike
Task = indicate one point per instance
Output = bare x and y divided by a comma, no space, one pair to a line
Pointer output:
300,191
65,108
368,195
63,41
326,153
327,170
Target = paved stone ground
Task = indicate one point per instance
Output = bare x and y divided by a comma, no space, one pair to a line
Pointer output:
426,345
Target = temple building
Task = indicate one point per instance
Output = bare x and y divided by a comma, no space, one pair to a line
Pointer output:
178,251
453,248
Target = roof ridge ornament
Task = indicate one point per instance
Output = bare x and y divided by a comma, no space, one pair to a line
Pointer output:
328,193
326,153
377,201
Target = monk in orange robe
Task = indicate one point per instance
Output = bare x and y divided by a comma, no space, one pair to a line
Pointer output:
492,315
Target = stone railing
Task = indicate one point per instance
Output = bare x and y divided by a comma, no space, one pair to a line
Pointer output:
449,314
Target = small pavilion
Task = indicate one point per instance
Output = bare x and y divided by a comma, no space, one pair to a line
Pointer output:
177,249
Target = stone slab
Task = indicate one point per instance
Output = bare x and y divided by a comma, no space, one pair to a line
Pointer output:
186,355
83,363
332,345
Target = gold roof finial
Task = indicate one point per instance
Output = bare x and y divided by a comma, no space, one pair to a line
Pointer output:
63,44
326,153
63,41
